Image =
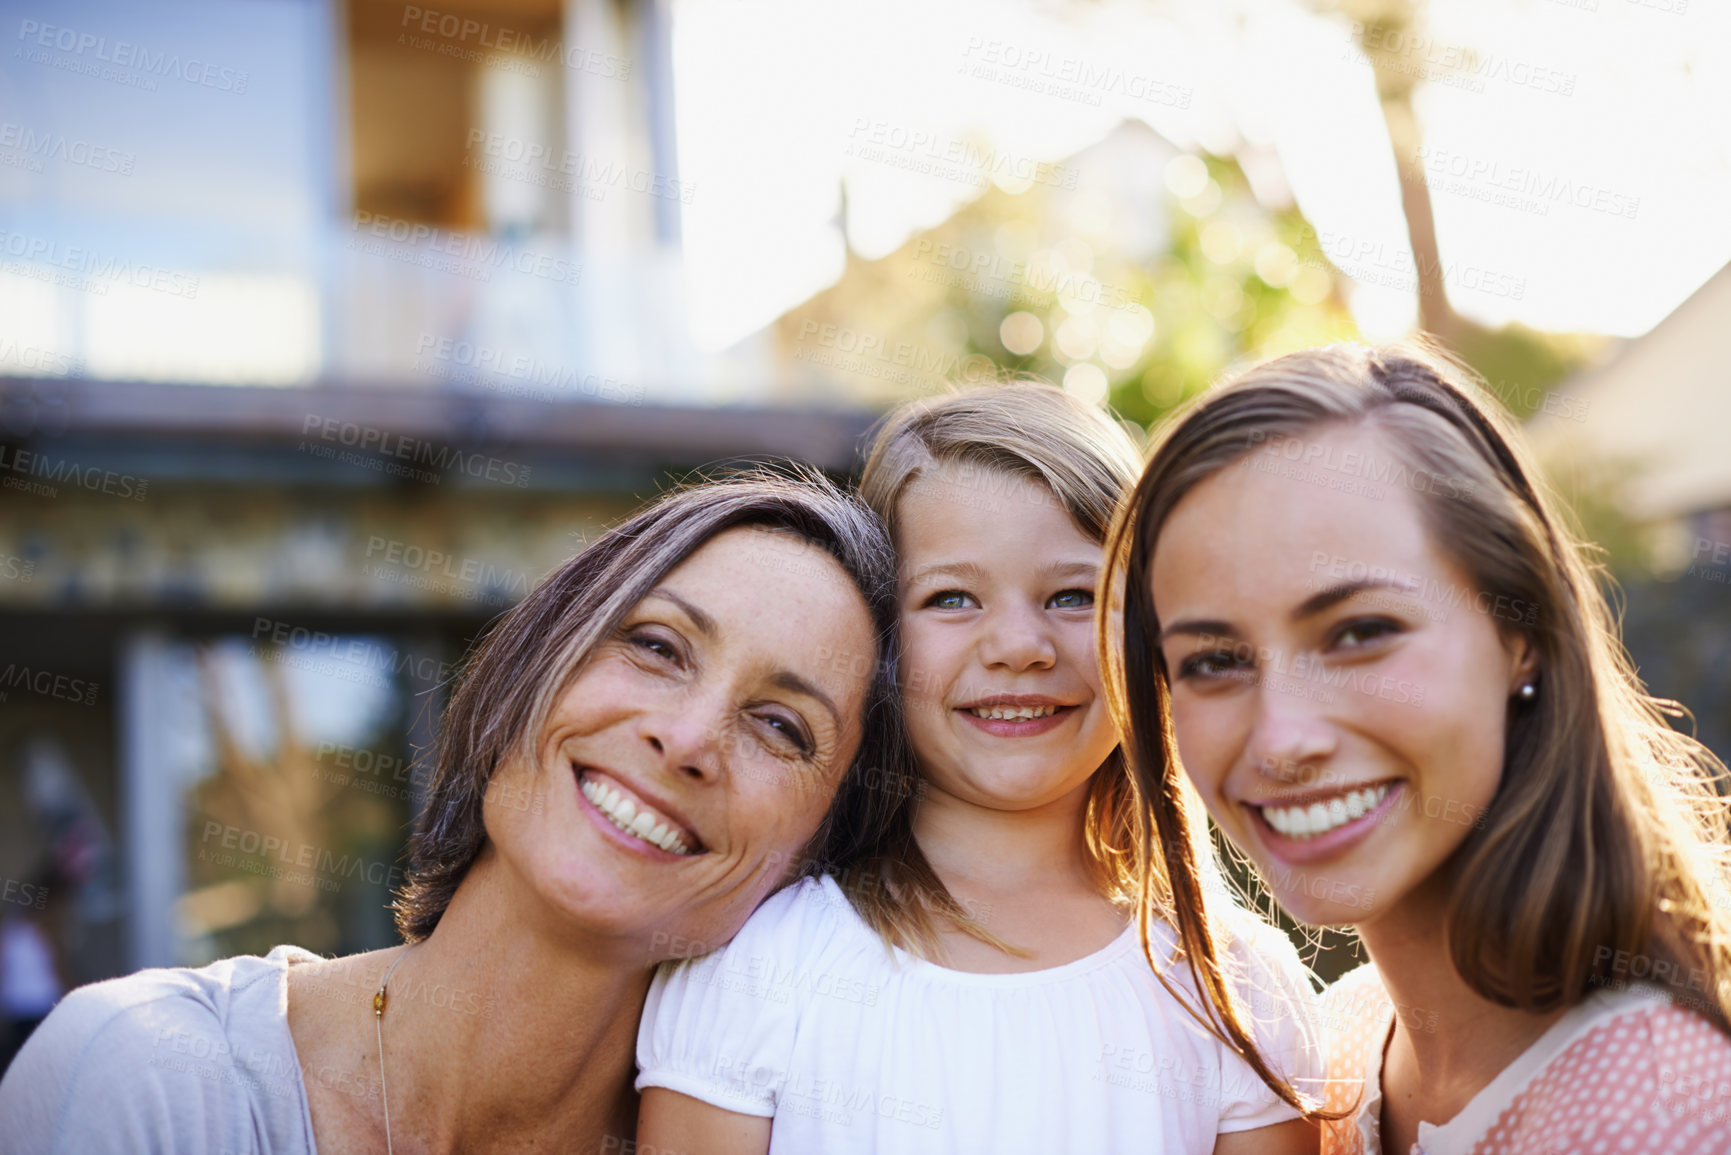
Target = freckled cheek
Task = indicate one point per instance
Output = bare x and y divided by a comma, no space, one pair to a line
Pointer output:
610,688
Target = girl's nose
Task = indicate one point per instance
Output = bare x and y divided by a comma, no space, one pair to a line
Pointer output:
1016,639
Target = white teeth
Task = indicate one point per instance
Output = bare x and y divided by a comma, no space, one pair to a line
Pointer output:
1321,817
642,822
1013,713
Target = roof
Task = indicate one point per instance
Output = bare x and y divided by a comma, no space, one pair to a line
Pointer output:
1657,416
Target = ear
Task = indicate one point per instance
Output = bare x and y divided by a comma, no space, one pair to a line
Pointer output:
1523,661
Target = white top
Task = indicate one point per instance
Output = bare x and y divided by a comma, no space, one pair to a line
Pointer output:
180,1062
853,1047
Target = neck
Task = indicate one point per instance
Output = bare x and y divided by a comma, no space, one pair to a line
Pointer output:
505,1029
1449,1041
1004,850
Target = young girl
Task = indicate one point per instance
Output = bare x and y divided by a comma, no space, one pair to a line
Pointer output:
1355,621
970,973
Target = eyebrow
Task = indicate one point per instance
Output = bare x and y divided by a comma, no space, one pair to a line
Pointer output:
785,679
961,569
788,680
1310,607
1334,595
704,623
972,572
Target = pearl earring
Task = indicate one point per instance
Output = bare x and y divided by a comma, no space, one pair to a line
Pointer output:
1529,692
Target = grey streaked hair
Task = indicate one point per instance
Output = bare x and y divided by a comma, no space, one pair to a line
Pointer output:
512,679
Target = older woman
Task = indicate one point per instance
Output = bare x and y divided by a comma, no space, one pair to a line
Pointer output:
637,755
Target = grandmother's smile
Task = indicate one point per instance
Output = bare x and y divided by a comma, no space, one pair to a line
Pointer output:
633,816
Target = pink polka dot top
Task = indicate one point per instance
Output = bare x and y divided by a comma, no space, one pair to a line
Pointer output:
1625,1071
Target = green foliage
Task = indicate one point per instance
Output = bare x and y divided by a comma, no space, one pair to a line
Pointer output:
1237,282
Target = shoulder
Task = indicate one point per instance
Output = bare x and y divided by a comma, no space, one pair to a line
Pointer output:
795,920
722,1027
1355,1003
1643,1049
1634,1065
1260,945
140,1009
1275,1000
1263,965
1354,1013
156,1048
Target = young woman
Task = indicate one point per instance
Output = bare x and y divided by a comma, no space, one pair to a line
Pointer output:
1356,622
970,973
634,758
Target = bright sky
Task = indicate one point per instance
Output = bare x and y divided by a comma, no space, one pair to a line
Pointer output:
1579,174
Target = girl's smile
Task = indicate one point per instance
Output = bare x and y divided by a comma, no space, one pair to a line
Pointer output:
1017,715
1000,678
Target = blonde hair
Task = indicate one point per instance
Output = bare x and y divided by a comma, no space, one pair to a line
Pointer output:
1039,433
1031,432
1607,816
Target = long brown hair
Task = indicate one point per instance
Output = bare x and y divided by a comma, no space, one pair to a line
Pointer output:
532,653
1607,816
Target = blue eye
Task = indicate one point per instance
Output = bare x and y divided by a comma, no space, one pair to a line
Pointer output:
951,600
1071,600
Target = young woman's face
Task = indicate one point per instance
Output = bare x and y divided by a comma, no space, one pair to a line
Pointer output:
714,727
1339,692
997,609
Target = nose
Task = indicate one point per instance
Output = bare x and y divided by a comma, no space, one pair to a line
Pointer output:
1292,738
689,737
1017,638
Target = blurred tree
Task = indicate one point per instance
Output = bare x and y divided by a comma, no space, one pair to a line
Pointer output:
1042,281
1384,30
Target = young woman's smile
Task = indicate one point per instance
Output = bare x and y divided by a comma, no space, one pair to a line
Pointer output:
1340,728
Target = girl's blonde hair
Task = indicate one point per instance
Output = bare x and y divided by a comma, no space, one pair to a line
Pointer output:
1606,817
1030,432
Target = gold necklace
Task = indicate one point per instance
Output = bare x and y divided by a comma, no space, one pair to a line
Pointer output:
379,1029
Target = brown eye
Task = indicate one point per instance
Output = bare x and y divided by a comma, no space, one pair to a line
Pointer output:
1211,664
1361,631
791,730
653,643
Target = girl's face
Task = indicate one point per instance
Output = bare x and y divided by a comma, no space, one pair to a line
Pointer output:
680,773
997,610
1339,689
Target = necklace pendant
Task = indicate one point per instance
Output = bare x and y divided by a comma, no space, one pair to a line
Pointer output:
379,1003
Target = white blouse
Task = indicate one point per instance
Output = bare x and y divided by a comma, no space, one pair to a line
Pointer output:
852,1046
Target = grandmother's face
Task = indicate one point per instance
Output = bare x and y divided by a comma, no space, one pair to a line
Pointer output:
681,772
